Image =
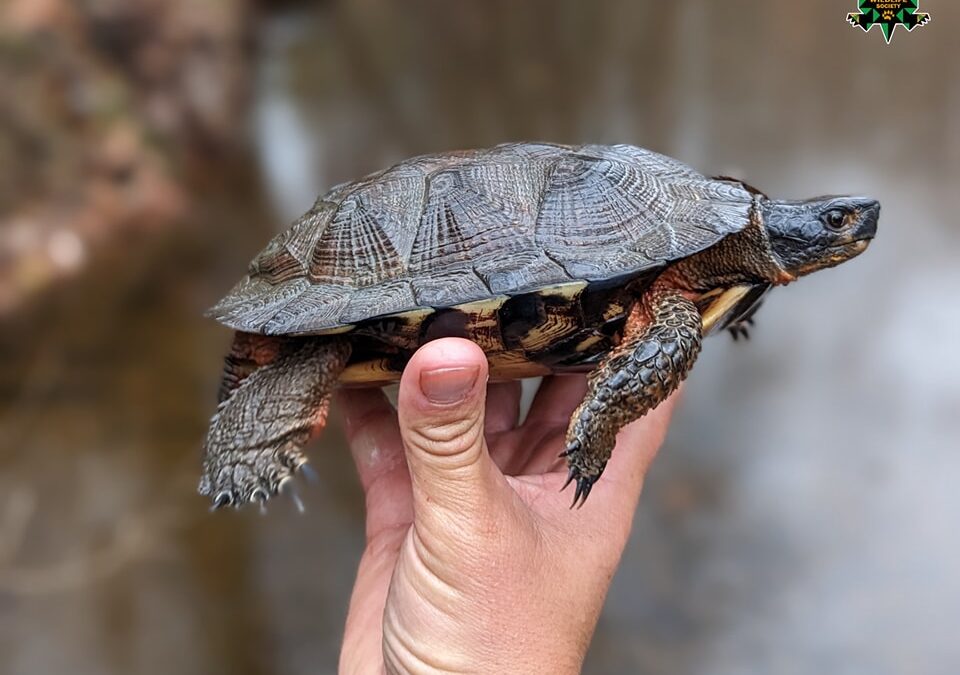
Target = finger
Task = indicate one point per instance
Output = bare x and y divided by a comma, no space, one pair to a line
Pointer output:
370,424
545,446
362,647
556,400
503,407
613,501
441,413
609,511
545,426
637,446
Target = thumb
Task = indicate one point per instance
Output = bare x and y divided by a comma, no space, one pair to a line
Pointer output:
441,413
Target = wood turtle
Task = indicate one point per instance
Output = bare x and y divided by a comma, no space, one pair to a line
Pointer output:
609,259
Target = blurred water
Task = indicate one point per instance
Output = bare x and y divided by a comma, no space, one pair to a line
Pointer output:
802,516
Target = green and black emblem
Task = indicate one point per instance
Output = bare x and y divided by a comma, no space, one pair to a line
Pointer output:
888,14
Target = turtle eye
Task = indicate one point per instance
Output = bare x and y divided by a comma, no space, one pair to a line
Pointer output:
835,219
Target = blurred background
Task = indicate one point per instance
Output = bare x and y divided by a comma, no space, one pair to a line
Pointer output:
803,515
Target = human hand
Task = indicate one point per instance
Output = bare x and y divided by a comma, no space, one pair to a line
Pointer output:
474,561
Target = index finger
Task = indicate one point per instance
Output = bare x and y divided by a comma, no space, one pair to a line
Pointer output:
637,446
370,425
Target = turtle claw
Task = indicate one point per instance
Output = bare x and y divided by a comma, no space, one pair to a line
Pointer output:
241,483
260,496
309,473
741,328
584,485
292,493
222,499
570,476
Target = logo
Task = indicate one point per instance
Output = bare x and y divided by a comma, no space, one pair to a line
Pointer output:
888,14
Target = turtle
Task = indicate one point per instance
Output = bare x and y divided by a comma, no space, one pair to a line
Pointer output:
607,259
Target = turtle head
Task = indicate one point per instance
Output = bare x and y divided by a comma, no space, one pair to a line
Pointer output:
814,234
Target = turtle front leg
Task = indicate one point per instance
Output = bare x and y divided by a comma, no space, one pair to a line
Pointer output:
256,437
661,340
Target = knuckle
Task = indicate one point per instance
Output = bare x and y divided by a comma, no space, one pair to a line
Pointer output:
447,438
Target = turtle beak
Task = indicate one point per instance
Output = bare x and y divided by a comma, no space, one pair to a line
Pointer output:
866,227
861,233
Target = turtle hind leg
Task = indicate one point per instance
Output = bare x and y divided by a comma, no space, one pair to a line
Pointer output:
248,352
661,340
256,437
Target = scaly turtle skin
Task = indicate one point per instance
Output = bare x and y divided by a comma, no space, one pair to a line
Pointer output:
609,259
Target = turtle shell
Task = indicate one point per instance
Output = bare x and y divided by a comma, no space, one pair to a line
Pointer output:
452,229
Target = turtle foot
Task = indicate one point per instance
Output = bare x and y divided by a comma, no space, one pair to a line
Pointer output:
579,474
741,328
584,485
254,477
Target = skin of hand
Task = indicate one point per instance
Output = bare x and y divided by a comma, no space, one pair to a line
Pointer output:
474,561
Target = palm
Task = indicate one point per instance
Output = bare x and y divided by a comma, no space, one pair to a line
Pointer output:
528,456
